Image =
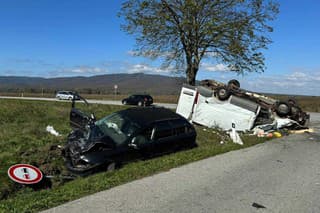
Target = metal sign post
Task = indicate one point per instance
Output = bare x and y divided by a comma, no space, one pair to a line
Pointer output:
115,91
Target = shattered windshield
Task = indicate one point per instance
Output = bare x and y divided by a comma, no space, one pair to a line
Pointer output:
117,127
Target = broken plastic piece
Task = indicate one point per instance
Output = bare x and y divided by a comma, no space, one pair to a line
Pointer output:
234,135
52,131
258,206
277,134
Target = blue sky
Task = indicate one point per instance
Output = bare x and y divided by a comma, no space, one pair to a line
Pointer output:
55,38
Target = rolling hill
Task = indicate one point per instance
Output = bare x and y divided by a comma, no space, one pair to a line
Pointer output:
127,83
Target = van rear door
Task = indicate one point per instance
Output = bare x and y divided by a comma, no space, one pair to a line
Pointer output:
186,102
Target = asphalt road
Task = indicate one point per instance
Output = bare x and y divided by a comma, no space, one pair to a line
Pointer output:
109,102
283,175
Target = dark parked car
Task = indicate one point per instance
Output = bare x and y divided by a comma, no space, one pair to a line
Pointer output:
135,133
140,100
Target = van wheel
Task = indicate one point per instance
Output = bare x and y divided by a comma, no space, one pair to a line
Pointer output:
292,102
283,109
235,83
223,93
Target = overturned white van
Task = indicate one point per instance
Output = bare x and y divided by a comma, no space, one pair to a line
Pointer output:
199,105
241,109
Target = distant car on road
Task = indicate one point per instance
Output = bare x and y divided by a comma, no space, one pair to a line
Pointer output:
134,133
67,95
140,100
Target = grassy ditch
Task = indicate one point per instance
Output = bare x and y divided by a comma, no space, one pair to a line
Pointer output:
23,139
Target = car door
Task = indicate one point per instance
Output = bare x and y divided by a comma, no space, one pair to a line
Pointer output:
135,99
130,99
163,137
78,119
144,142
183,133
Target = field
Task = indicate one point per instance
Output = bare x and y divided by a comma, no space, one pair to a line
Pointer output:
23,139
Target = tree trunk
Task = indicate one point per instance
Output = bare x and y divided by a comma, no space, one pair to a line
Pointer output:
191,73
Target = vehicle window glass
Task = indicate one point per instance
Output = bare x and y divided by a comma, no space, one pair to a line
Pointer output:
162,130
118,127
147,133
144,137
179,126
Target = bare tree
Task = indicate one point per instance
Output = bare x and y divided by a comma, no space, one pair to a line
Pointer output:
183,32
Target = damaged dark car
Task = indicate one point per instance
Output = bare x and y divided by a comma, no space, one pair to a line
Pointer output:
134,133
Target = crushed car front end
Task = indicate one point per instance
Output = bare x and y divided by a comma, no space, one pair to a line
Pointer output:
84,154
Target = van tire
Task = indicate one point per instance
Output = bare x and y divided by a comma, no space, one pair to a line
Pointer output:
235,83
223,93
283,109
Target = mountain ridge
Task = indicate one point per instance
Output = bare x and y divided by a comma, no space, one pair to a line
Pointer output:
127,83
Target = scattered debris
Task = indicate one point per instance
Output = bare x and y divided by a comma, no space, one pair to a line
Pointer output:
258,206
52,131
310,130
234,135
277,134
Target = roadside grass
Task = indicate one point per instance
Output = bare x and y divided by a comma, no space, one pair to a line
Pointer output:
23,139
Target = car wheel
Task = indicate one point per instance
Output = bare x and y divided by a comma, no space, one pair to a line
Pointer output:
70,98
124,102
223,93
235,83
140,103
283,109
111,167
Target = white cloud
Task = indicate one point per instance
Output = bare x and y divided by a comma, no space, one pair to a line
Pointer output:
214,67
300,83
297,76
145,68
87,70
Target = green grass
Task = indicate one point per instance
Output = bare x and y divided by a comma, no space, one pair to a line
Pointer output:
23,139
